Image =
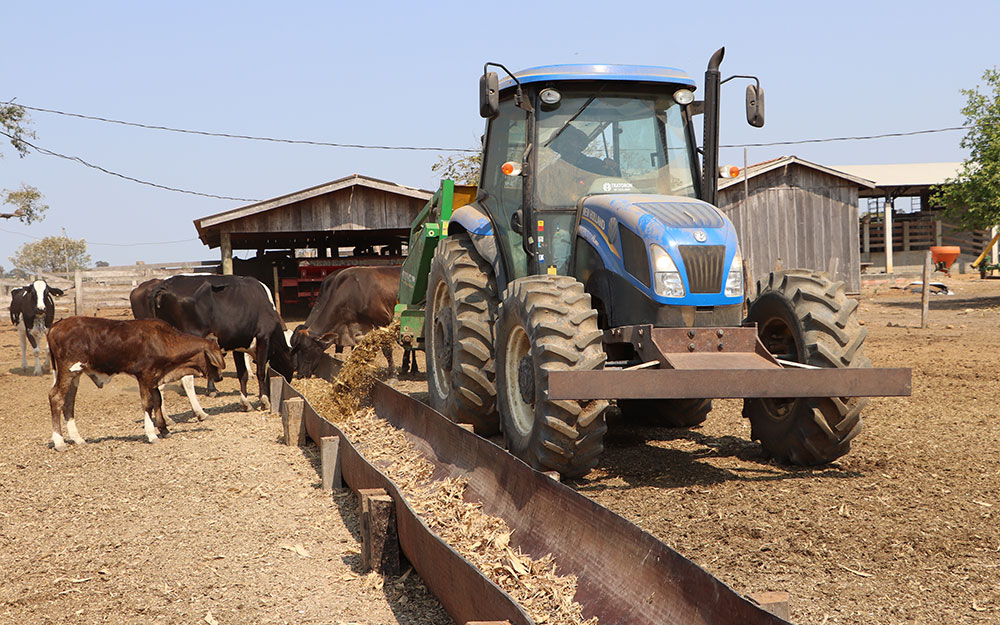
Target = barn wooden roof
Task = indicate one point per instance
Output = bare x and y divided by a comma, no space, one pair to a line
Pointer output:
353,209
771,165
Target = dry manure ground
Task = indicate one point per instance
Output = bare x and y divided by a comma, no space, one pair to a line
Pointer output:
221,523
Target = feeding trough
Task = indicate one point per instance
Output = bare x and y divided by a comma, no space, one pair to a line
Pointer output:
944,256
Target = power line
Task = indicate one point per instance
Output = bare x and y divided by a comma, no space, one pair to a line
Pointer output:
77,159
247,137
883,136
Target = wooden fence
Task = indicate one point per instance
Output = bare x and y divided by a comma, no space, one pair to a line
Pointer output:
89,290
920,234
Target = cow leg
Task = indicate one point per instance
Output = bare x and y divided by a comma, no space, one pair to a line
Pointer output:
147,408
57,399
242,375
69,409
35,338
387,352
161,423
263,388
188,383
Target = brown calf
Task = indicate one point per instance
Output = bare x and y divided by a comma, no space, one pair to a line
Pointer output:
149,349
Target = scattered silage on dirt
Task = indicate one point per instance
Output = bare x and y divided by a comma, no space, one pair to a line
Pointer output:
482,539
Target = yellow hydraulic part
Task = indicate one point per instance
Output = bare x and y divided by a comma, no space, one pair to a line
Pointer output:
986,250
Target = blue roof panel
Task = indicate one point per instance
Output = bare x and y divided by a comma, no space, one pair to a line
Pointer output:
640,73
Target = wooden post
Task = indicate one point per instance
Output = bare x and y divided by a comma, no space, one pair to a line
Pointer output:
379,540
937,232
277,384
888,234
277,289
868,241
292,423
995,250
78,298
925,295
329,447
774,602
227,253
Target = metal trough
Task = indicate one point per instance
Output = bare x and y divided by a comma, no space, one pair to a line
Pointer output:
625,574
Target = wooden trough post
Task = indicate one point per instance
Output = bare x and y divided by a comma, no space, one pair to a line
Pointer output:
379,540
78,293
774,602
292,423
277,384
329,449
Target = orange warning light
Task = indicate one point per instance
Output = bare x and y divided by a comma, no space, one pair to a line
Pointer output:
510,168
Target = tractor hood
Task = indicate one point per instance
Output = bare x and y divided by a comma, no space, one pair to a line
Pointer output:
677,224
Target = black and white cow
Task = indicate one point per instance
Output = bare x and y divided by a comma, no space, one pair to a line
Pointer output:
239,312
33,310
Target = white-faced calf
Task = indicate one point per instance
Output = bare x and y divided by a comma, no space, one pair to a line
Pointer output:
148,349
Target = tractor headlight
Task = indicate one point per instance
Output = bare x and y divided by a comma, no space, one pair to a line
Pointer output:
734,282
667,280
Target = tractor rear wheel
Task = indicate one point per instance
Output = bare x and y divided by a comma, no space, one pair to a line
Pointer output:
461,309
804,317
546,323
667,413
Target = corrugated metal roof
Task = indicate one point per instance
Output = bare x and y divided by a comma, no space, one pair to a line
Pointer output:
903,174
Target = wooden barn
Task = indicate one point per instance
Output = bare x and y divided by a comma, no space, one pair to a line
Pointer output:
300,237
791,213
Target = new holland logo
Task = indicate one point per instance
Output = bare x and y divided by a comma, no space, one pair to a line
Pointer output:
700,236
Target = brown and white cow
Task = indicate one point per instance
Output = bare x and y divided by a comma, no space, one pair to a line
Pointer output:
33,310
351,303
148,349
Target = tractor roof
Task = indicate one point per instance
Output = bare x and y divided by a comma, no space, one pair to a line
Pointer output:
628,73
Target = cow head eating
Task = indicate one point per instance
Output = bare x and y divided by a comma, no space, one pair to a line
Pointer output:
307,350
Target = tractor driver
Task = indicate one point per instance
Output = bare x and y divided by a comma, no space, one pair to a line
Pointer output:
570,176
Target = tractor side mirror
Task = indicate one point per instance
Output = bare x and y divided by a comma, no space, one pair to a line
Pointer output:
755,106
489,95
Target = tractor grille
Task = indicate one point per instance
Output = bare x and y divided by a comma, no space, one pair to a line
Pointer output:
704,264
684,214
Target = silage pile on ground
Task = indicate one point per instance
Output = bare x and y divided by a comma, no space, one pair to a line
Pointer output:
482,539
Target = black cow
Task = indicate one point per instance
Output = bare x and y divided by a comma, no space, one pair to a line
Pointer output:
351,303
239,312
33,310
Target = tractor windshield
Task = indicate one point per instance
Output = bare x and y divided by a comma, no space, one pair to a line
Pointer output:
611,142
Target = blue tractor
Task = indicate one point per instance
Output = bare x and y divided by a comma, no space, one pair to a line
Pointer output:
590,266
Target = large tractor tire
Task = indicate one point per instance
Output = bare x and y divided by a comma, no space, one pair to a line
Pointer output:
461,309
547,324
667,413
804,317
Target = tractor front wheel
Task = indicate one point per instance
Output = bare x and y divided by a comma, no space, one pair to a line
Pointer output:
461,308
546,323
804,317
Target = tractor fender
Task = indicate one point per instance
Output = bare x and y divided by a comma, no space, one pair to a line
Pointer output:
473,220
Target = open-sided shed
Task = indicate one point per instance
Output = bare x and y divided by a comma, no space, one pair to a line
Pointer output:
791,213
343,221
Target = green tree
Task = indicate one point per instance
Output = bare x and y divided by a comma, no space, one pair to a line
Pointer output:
462,168
27,201
973,197
52,254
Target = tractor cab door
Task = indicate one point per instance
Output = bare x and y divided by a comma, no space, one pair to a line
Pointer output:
505,143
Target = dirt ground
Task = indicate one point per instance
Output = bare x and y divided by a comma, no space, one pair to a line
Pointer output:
903,529
222,523
217,524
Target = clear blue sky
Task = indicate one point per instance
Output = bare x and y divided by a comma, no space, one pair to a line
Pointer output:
407,74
